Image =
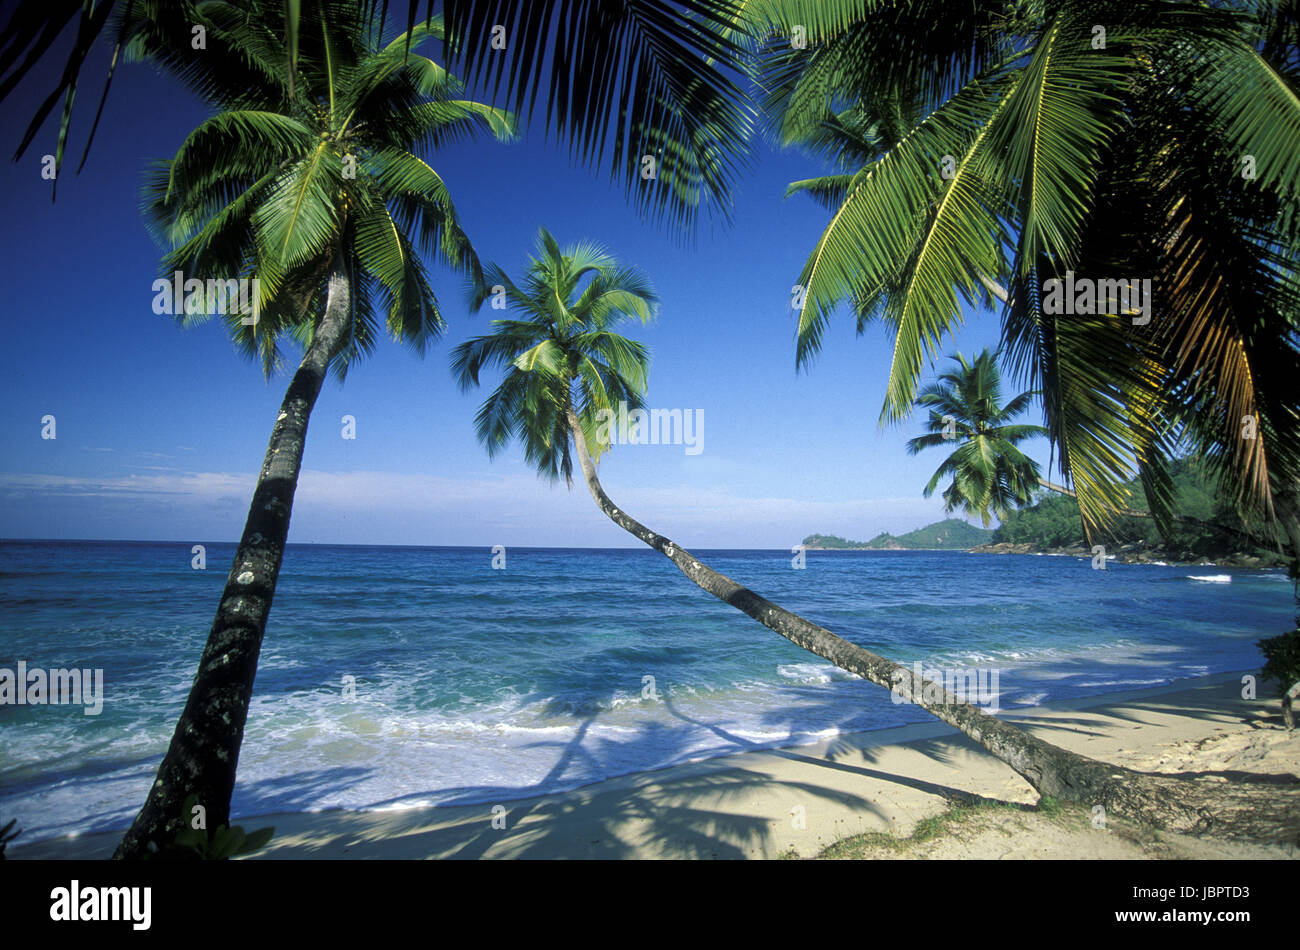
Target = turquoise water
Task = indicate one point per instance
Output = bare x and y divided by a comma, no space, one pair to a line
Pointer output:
481,685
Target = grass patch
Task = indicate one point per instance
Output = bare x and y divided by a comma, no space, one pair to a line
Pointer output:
928,829
1049,807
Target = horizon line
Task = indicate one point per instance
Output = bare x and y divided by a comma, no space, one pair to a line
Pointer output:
378,544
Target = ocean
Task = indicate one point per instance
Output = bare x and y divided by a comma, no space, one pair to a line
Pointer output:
396,677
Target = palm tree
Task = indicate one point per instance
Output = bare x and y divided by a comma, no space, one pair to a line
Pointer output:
563,365
664,78
989,474
997,147
321,195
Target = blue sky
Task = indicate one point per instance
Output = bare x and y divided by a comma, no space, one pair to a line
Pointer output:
161,431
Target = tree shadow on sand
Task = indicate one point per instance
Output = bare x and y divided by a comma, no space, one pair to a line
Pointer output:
697,810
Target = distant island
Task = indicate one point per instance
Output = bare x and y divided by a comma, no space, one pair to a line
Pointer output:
1215,533
952,534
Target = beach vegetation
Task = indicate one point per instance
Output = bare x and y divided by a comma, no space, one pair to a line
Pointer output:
1049,806
946,823
991,477
1282,667
218,843
563,364
661,86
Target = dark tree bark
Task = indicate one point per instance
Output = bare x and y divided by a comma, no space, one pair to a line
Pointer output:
204,749
1231,809
1286,505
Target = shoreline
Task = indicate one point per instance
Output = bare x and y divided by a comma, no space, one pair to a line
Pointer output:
1131,554
764,803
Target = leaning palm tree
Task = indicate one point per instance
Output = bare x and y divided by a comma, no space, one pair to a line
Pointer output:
563,364
990,476
986,150
320,195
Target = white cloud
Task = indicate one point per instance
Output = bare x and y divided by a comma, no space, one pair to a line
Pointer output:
197,484
403,508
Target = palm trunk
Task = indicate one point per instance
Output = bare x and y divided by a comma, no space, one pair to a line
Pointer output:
204,749
1286,506
995,289
1127,512
1235,810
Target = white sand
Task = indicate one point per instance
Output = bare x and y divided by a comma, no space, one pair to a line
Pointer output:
766,803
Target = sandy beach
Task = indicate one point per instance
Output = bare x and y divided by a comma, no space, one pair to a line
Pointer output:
796,802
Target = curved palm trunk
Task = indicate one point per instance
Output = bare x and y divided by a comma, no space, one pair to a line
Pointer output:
994,288
1127,512
1165,801
204,749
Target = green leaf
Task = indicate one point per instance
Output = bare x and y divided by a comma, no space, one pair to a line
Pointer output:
256,840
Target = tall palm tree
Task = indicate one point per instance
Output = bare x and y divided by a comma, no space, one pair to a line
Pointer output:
996,147
563,364
320,194
989,474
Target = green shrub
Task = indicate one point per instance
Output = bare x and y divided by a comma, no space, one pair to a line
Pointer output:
216,844
1282,665
1282,659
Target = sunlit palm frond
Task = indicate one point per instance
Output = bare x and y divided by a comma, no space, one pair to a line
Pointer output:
990,476
623,82
562,354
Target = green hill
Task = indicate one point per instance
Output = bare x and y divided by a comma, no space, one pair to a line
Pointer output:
952,534
1053,524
